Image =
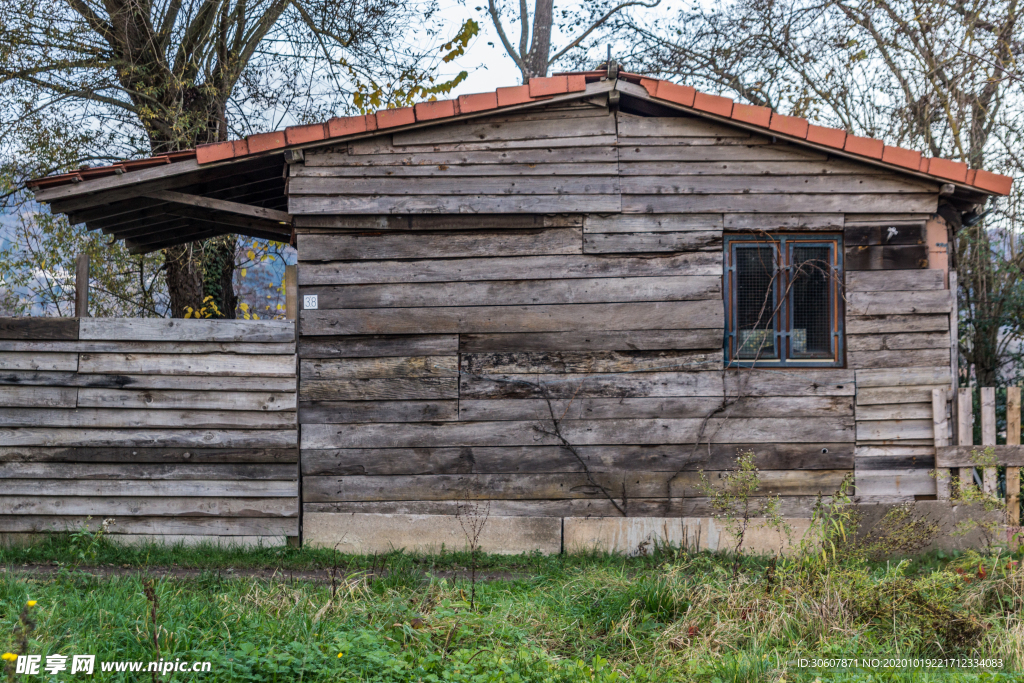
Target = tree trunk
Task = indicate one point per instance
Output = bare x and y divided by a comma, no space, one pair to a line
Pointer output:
540,46
184,274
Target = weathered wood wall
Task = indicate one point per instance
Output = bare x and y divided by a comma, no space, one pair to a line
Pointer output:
176,429
457,356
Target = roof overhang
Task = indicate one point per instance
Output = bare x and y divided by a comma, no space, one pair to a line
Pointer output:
240,187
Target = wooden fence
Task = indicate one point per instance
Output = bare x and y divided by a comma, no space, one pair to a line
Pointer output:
173,428
962,458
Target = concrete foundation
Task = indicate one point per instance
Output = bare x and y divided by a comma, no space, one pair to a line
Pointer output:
373,533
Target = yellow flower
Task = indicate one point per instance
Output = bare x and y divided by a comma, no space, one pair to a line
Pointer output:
31,603
8,656
340,654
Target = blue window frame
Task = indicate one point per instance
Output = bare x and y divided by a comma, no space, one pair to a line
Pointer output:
783,300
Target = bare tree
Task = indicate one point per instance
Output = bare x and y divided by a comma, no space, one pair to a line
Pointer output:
533,55
85,80
924,74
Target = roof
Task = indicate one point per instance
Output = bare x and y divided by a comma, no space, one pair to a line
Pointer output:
713,106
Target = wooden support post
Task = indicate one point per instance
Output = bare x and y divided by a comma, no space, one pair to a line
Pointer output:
940,429
988,436
1013,473
82,286
291,292
965,431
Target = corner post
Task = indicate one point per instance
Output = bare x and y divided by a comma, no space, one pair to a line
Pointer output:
82,286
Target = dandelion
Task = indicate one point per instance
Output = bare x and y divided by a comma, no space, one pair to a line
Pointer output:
8,656
31,603
340,654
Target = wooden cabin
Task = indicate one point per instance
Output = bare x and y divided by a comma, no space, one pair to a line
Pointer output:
556,304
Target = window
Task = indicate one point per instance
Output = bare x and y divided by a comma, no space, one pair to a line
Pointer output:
783,300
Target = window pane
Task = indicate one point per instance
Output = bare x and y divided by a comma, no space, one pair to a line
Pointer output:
755,302
811,335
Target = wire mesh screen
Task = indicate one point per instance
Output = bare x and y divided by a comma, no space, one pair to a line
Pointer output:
755,302
811,334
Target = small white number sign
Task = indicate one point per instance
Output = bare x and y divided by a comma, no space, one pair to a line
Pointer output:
309,302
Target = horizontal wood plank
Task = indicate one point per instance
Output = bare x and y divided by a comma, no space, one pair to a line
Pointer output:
618,340
67,362
185,400
623,223
194,526
511,185
898,342
906,257
898,359
653,408
372,246
143,487
582,432
894,411
177,472
39,328
477,203
889,324
123,419
908,394
779,203
178,329
508,292
548,486
199,438
646,242
897,377
536,459
379,389
907,303
575,362
372,346
162,455
186,364
894,430
147,347
121,381
38,397
901,280
388,366
131,506
968,456
505,319
338,412
522,268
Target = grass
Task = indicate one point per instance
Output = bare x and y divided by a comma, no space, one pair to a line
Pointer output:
670,616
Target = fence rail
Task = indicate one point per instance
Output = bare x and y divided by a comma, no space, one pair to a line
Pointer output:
965,456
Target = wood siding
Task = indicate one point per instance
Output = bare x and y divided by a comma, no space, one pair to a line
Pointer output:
562,343
172,428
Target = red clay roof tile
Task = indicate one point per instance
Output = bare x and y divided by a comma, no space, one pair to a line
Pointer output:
576,83
713,104
218,151
478,102
951,170
347,125
650,85
389,118
545,87
789,125
868,147
299,135
680,94
263,142
427,111
830,137
517,94
993,182
907,158
749,113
